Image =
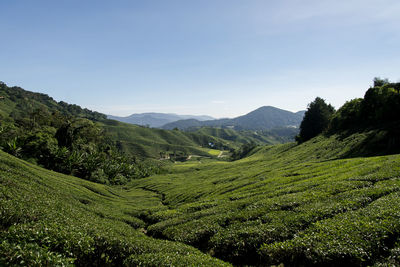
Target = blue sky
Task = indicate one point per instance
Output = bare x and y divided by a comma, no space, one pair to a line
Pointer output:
222,58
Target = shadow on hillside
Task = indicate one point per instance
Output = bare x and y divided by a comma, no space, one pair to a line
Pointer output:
378,142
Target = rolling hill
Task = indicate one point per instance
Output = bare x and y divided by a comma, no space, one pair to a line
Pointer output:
263,118
270,137
51,219
156,120
289,204
24,107
332,200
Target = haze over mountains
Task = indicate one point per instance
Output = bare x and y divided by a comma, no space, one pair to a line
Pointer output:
263,118
157,120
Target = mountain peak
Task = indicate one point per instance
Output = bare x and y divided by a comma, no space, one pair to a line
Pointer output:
263,118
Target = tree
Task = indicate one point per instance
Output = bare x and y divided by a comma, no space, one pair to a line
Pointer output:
380,82
316,119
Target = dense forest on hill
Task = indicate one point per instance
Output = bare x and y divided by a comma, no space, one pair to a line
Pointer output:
63,138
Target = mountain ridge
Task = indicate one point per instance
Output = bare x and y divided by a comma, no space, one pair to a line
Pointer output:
157,120
263,118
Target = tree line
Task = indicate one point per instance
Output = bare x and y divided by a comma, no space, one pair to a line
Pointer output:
380,105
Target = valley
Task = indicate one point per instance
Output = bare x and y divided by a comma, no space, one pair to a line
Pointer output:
269,208
200,133
330,198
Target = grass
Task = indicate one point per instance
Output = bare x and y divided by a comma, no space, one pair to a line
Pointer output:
297,205
214,152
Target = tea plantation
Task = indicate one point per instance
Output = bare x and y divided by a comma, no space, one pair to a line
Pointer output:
292,204
308,204
52,219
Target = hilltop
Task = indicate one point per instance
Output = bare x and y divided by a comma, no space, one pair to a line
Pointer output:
263,118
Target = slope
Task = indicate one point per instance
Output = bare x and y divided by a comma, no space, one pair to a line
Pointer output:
17,102
149,142
21,110
292,204
51,219
275,136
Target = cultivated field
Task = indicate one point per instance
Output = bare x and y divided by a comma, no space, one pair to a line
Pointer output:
293,204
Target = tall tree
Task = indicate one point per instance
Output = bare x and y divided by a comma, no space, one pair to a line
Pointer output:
380,82
316,119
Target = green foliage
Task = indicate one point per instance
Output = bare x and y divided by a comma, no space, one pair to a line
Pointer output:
12,147
316,119
380,82
274,136
150,143
243,151
348,115
78,147
290,204
243,211
50,219
17,102
30,111
380,106
307,204
64,138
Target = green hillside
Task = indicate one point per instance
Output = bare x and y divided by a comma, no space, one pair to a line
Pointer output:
149,142
22,111
276,136
298,205
17,103
52,219
293,204
330,200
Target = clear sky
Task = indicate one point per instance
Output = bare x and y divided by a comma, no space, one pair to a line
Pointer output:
222,58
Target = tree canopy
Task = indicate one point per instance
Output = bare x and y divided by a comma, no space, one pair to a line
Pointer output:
380,105
316,119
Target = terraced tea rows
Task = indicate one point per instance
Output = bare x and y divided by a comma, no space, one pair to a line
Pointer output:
285,204
292,204
53,219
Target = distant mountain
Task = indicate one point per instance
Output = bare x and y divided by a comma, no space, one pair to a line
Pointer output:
157,120
264,118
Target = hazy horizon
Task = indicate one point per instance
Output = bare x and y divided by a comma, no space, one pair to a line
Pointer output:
218,58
